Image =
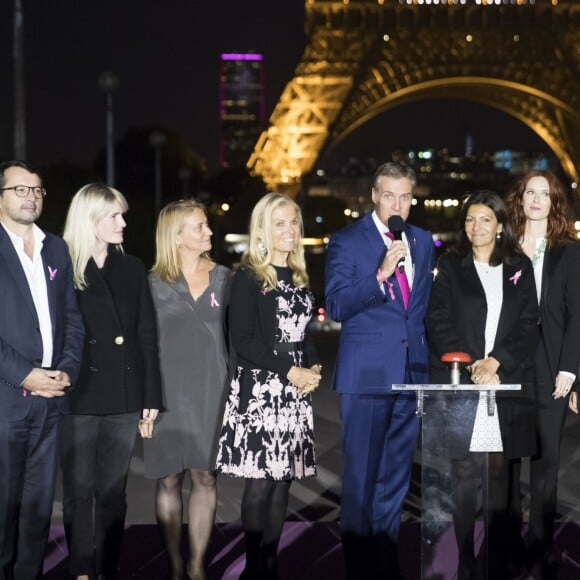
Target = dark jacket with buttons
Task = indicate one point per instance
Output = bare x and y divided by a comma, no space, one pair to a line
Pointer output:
120,365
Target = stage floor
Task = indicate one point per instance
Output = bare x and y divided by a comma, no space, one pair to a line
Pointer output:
311,546
308,551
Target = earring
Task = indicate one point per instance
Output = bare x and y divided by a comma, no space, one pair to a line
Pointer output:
498,236
262,249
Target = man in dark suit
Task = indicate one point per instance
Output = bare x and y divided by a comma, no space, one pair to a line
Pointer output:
41,337
382,343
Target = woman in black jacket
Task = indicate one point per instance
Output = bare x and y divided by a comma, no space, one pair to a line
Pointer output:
542,221
119,387
483,302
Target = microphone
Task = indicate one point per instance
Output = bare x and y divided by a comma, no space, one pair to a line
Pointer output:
396,226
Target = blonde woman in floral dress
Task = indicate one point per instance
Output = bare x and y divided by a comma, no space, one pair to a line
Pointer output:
267,434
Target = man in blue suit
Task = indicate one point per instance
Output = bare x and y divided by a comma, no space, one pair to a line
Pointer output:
378,288
41,337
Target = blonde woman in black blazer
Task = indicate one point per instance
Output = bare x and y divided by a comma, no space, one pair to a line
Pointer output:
119,384
487,272
542,221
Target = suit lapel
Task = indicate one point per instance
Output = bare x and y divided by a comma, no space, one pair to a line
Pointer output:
412,241
511,295
50,273
471,277
14,269
105,286
508,300
375,241
552,258
416,259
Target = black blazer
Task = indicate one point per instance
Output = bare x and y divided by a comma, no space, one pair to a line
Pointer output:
456,322
120,366
560,309
20,340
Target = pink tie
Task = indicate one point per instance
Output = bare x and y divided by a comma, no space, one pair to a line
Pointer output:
401,278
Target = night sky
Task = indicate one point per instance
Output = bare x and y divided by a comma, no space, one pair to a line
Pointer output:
166,54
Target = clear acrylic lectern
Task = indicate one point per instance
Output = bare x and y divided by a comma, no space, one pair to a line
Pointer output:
447,415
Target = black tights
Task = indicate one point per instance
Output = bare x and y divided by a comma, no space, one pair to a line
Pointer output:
201,509
264,506
502,530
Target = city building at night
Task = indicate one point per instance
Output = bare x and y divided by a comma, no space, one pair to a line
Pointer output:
241,106
444,178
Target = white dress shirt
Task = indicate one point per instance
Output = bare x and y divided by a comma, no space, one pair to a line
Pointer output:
34,272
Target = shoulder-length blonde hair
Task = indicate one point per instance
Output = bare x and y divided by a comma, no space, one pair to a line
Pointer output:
258,255
167,266
90,204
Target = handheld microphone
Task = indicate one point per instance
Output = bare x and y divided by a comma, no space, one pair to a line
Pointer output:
396,225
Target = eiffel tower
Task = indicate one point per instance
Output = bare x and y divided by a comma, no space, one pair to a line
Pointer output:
365,57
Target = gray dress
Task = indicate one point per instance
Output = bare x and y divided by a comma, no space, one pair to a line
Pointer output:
194,360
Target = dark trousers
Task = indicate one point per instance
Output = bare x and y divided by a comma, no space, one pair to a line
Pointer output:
544,469
96,452
379,440
503,548
28,463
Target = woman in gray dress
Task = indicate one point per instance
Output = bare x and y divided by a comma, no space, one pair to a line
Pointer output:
190,293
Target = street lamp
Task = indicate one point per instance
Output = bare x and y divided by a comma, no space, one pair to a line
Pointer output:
19,84
108,82
157,139
184,175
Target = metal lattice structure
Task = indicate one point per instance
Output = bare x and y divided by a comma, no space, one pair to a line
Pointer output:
365,57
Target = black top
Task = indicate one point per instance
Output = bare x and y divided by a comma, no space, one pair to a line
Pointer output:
252,323
560,312
456,321
120,364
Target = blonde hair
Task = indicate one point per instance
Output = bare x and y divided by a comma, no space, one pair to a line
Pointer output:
258,255
167,266
90,204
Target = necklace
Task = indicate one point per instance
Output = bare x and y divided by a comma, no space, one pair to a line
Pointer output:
539,253
482,267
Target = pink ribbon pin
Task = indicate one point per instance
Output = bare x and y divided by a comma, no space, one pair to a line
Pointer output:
213,302
264,291
516,277
390,288
52,273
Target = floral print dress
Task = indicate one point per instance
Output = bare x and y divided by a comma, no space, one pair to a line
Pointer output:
272,436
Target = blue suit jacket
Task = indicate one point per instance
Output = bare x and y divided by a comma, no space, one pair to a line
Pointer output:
20,340
377,332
